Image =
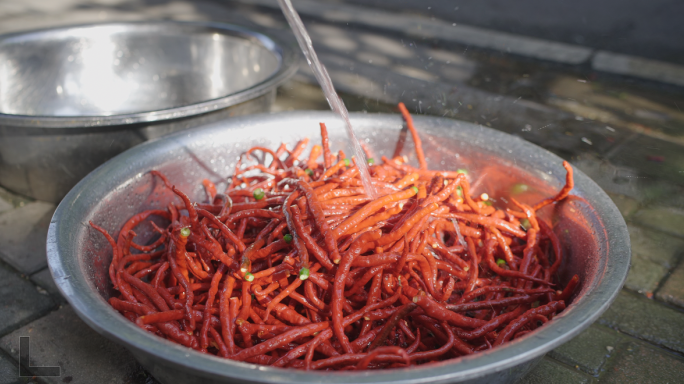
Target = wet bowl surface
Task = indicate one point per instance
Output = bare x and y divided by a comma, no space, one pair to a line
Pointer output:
593,234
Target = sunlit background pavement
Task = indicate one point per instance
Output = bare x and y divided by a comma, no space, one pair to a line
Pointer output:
601,87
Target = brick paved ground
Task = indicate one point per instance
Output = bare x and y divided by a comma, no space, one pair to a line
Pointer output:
627,136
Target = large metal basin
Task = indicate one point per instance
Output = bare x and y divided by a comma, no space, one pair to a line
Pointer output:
593,233
72,98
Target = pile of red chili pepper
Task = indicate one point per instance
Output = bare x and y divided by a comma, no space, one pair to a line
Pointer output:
295,266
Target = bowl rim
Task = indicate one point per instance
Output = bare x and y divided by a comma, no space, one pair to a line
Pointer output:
565,326
285,53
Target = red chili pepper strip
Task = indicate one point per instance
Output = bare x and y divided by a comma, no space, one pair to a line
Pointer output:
390,324
492,303
137,219
260,213
369,209
189,295
303,348
547,231
204,337
210,188
223,349
288,314
152,293
160,274
408,224
309,242
296,152
414,134
329,171
162,317
491,263
224,313
440,312
280,340
319,219
569,289
488,221
564,192
115,254
325,141
224,229
363,364
516,324
488,289
313,156
338,288
239,207
168,328
406,180
508,254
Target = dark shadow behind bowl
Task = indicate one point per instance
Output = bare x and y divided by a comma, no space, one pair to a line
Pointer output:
593,233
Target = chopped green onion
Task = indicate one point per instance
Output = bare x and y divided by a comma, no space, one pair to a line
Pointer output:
253,296
519,188
525,224
487,203
259,194
249,276
463,171
500,262
415,189
185,232
371,161
535,304
303,273
459,191
309,172
347,162
287,238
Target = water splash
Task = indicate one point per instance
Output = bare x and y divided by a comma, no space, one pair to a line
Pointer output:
324,80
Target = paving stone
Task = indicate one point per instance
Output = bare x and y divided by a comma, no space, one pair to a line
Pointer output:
61,338
23,232
588,350
653,157
625,204
436,29
5,205
9,370
653,255
647,320
644,275
19,301
655,246
44,280
10,197
638,67
549,371
638,363
668,220
672,291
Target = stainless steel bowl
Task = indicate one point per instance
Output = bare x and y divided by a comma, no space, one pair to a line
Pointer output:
592,231
72,98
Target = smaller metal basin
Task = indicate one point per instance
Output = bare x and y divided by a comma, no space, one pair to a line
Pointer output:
71,98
